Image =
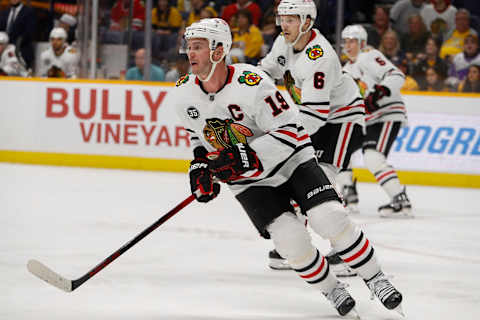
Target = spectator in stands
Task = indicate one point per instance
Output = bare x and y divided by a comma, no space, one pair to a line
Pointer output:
59,60
19,22
401,12
439,17
247,39
206,13
69,23
462,61
428,59
269,27
434,82
472,81
197,6
136,73
454,44
380,26
182,67
390,47
166,18
119,15
230,11
410,84
414,41
10,65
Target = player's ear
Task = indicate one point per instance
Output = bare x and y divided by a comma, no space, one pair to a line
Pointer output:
306,24
217,54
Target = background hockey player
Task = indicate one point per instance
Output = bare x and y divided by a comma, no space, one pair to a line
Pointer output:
386,114
59,60
246,134
10,64
330,103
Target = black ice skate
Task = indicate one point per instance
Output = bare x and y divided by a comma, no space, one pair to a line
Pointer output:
338,266
383,289
342,300
350,196
399,207
277,262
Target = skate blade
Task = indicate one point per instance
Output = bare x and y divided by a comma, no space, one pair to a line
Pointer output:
279,266
353,314
400,310
404,214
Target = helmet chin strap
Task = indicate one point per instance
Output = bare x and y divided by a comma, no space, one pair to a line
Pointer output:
212,69
300,33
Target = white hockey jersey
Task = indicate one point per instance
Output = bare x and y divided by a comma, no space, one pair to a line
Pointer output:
248,109
68,61
9,62
314,79
372,67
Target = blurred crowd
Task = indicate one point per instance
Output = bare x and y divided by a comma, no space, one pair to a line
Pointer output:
434,42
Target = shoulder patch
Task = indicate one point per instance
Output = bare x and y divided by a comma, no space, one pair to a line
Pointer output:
314,52
249,78
72,50
182,80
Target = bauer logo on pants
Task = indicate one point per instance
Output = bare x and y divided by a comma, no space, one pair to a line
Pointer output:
318,190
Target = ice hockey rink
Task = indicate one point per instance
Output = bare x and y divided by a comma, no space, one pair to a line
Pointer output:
207,262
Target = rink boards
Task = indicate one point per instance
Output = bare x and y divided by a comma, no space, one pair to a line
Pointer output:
115,124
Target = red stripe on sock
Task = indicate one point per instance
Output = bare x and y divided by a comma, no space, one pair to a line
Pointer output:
313,274
385,174
358,254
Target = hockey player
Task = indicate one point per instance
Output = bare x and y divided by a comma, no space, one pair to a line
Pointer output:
246,133
331,106
60,60
386,114
9,62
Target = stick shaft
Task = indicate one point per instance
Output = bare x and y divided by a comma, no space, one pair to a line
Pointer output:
78,282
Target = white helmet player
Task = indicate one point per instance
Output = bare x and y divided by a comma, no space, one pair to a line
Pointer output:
303,8
217,32
58,33
355,31
4,38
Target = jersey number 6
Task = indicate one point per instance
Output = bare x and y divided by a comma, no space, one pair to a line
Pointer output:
318,80
275,109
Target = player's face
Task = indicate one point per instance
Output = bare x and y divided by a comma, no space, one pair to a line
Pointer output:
351,47
199,56
290,26
57,43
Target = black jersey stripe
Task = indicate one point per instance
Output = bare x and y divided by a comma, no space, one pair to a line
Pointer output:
392,103
312,114
190,130
322,103
355,100
347,115
291,145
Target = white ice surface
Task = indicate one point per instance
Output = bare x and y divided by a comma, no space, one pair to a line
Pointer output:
207,262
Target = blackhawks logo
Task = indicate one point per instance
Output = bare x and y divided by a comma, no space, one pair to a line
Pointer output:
225,133
314,52
182,80
250,78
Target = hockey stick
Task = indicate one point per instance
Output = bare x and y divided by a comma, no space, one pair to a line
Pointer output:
45,273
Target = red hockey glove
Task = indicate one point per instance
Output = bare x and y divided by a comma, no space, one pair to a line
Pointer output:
230,163
371,100
201,179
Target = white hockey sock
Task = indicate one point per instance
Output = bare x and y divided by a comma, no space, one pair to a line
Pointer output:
357,251
317,273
